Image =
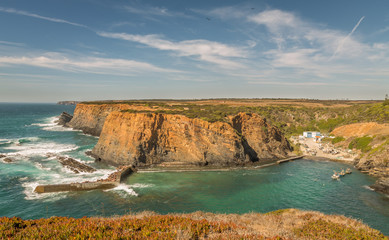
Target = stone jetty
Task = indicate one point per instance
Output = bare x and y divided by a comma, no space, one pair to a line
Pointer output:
113,180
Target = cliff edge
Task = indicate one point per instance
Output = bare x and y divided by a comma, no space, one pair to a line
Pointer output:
90,118
144,139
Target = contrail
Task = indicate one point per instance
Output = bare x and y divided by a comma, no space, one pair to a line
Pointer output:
356,26
340,46
24,13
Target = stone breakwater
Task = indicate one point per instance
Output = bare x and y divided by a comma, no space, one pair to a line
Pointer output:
111,181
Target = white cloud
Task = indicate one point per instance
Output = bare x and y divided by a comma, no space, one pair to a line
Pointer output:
275,19
58,61
28,14
205,50
225,12
307,49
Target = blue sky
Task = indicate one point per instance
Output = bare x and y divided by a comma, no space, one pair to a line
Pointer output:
103,49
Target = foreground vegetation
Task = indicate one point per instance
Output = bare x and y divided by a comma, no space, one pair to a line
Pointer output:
281,224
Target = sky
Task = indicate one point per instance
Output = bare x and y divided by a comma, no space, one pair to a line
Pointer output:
81,50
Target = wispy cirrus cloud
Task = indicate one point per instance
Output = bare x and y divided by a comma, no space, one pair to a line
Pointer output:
28,14
204,50
340,46
155,11
152,12
17,44
95,65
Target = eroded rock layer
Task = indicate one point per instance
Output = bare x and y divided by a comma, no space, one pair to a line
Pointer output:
154,138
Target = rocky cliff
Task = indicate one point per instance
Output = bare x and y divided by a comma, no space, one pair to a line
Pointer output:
154,138
90,118
373,149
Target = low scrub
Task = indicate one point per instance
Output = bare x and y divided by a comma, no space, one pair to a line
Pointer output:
280,224
337,140
361,143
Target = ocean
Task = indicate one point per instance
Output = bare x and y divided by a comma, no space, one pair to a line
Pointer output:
30,137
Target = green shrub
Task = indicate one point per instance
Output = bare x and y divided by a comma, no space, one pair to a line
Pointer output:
337,139
361,143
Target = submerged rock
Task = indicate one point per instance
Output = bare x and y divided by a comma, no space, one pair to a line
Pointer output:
2,155
8,160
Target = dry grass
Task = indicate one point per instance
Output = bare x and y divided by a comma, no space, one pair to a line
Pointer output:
281,224
309,103
361,129
289,223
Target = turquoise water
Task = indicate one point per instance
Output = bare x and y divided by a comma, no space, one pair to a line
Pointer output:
27,134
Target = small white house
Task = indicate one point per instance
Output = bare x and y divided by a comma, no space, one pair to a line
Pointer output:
312,134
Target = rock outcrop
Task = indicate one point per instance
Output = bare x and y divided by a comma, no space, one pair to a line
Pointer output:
381,185
74,165
64,119
144,139
90,118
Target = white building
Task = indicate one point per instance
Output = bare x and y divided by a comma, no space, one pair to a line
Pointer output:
312,134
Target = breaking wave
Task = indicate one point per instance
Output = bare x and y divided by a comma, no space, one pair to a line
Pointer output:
124,190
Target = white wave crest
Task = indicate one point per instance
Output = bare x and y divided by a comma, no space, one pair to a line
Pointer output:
40,166
368,187
40,148
123,188
29,193
141,185
50,124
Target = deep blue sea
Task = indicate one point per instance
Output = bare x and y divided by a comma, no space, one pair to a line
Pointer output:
30,137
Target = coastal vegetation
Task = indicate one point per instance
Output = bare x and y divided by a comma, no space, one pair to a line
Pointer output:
280,224
361,143
292,116
337,139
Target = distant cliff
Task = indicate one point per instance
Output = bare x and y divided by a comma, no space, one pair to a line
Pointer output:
154,138
67,102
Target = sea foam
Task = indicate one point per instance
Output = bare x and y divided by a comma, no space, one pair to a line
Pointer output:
123,190
39,148
50,124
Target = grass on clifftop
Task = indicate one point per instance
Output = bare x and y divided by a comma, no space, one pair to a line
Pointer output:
280,224
292,118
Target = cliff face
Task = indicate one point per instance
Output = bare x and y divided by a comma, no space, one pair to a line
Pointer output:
152,138
90,118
